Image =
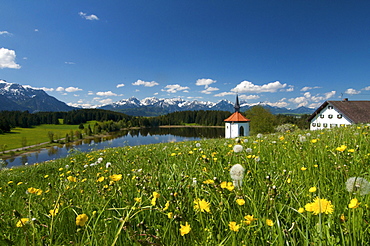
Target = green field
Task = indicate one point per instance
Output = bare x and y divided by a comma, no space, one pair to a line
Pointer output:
301,188
21,137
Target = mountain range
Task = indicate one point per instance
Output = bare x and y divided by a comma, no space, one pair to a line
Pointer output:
153,106
17,97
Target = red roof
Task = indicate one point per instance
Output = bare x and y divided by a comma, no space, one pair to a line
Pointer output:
237,117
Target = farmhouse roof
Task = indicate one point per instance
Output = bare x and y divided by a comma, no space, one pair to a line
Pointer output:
237,117
356,111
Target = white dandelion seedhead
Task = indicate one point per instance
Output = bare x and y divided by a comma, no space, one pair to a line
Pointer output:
197,145
259,135
302,139
238,148
358,185
248,150
237,175
245,140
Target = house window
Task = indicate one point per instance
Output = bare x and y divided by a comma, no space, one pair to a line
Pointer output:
339,116
330,107
325,125
318,124
314,124
322,116
330,116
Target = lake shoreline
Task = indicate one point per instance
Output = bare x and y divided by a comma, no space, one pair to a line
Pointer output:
40,146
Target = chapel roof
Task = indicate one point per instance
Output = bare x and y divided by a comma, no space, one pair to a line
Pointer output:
237,117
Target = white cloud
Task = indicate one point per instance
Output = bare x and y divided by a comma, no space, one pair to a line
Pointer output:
329,94
307,94
249,97
222,94
5,33
70,63
106,101
7,59
366,88
175,88
246,86
36,30
306,88
299,100
120,85
60,89
106,93
279,104
205,82
351,91
88,17
145,83
209,90
90,93
72,89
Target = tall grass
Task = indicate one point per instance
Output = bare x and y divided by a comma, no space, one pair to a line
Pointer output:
181,193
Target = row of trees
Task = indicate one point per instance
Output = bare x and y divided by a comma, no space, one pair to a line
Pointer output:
262,121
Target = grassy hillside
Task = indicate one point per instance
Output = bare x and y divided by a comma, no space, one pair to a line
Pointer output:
297,190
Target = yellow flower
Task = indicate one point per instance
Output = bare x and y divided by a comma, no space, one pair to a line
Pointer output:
170,215
166,206
314,141
10,182
312,189
72,179
46,176
354,203
116,177
201,205
233,226
342,218
341,148
22,222
303,168
281,138
54,212
269,222
240,202
101,179
81,219
320,206
209,181
249,219
34,191
137,199
156,194
19,183
185,229
301,210
227,185
289,180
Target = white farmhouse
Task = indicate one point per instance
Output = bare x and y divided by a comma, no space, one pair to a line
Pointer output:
340,113
236,125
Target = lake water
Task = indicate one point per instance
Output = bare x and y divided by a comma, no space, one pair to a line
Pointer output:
118,139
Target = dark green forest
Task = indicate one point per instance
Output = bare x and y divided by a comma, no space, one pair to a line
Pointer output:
262,121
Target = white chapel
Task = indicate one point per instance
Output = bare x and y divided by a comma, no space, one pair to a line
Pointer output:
236,125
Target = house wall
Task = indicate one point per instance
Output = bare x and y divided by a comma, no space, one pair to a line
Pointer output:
329,117
232,129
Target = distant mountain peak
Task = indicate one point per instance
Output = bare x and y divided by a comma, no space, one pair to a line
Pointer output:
24,98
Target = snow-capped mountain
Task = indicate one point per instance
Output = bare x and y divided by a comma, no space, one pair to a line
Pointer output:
153,106
17,97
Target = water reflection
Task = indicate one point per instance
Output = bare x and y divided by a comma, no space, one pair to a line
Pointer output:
118,139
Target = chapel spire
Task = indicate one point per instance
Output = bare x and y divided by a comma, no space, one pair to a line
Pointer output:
237,105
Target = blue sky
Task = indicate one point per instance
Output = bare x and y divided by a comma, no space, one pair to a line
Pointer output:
286,53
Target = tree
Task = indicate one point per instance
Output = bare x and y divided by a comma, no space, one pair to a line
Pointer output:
262,121
51,136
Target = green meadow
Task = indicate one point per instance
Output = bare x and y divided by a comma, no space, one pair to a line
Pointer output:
21,137
299,188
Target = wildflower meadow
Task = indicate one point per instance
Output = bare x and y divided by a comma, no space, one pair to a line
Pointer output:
299,188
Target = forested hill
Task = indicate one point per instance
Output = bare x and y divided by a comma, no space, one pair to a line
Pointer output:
261,119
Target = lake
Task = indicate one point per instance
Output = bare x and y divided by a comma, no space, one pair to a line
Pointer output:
119,139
